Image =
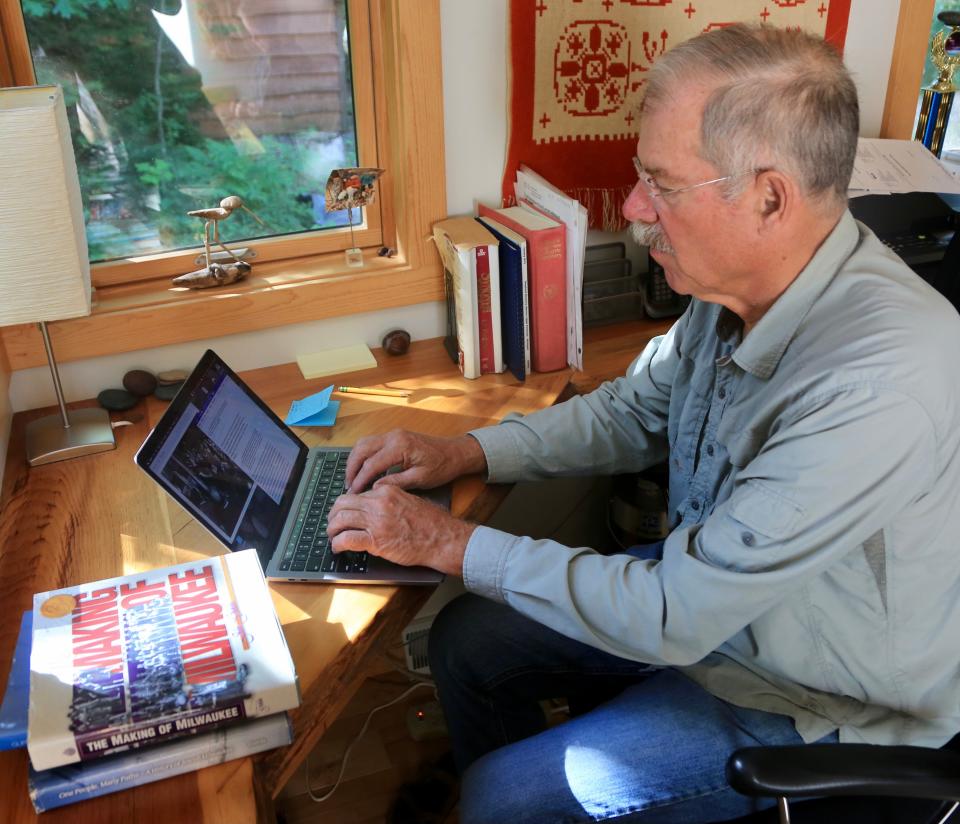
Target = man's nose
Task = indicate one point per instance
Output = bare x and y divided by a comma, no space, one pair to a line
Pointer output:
639,205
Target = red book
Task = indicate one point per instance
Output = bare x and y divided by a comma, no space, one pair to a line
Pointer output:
547,256
484,312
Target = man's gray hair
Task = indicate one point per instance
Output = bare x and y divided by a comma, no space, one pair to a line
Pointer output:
782,99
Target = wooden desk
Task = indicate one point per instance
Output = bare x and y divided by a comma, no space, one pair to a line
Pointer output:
101,516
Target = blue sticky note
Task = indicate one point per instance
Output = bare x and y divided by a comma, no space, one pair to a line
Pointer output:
316,410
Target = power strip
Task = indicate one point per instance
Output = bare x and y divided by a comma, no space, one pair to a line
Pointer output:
425,722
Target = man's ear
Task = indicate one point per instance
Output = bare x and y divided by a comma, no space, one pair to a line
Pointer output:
776,193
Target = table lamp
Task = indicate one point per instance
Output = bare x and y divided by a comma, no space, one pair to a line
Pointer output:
44,268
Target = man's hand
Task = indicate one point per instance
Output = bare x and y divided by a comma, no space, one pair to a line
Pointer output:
398,526
425,461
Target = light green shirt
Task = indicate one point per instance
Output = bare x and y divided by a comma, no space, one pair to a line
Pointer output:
813,566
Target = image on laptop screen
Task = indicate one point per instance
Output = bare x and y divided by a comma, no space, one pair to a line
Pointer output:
226,458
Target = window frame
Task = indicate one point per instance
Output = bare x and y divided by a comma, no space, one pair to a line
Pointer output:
407,72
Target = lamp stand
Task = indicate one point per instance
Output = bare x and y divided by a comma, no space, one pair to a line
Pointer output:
60,437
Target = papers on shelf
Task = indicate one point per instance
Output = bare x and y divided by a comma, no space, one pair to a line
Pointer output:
885,166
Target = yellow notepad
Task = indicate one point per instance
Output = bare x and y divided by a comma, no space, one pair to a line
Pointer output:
331,361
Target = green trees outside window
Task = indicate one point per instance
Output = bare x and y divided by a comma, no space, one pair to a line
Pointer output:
175,105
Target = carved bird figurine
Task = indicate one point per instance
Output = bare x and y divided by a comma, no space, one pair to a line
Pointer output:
217,274
227,206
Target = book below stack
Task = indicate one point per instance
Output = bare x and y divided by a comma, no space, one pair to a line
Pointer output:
149,675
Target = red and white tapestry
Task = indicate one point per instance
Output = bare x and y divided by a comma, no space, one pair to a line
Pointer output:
577,76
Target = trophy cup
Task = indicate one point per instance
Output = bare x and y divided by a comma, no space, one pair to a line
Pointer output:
938,98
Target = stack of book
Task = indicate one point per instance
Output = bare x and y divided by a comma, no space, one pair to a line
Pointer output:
149,675
514,283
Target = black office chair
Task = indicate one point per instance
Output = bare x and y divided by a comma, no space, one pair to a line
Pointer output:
850,783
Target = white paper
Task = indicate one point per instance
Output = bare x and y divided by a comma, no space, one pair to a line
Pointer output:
569,211
884,166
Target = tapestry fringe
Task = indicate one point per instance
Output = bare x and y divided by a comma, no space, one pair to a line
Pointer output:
604,207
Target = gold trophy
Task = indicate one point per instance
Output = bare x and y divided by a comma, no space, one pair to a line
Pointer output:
938,99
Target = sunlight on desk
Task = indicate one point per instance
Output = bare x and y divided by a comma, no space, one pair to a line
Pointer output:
351,607
287,611
135,557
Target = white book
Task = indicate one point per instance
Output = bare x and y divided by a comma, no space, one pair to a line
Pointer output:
135,661
77,782
469,254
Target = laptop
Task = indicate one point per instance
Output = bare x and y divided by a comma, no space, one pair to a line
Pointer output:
227,459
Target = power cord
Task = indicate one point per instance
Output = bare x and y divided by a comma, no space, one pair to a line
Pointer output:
346,753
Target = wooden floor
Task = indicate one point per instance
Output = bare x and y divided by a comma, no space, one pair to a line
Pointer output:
382,760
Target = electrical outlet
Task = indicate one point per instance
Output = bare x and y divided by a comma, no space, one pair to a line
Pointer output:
426,722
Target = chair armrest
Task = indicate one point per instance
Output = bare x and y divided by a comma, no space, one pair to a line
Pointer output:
845,769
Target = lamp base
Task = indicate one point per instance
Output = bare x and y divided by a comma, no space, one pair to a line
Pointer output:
48,440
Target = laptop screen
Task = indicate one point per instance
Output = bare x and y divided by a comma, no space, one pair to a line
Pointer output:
227,458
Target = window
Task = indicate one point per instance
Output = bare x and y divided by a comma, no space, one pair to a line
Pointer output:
175,104
404,73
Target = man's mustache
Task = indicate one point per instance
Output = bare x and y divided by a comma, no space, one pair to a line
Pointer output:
652,235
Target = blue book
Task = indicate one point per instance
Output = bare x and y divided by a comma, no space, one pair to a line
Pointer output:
76,782
16,700
514,297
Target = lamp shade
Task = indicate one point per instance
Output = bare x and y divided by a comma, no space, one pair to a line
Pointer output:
44,267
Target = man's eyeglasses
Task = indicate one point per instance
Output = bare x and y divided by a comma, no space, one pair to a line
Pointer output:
655,190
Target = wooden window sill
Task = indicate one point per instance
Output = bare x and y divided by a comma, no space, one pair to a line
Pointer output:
154,313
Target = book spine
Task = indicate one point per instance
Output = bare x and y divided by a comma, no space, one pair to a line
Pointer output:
467,333
66,785
548,301
496,317
484,310
525,295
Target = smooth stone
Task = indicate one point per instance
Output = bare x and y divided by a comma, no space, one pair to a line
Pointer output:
139,382
172,376
166,391
396,342
116,400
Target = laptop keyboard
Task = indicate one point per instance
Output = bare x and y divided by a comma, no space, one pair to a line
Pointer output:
308,548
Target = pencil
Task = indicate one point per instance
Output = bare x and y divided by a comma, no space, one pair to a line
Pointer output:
369,390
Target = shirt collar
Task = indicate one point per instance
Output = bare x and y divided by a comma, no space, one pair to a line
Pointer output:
762,349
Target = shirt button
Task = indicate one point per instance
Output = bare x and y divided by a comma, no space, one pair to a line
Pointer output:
695,505
747,538
721,393
710,450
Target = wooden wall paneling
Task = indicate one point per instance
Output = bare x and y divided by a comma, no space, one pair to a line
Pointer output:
16,67
906,68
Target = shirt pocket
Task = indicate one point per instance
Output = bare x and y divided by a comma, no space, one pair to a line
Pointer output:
763,510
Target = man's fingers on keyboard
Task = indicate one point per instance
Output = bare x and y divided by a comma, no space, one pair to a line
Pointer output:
363,449
372,468
352,540
404,479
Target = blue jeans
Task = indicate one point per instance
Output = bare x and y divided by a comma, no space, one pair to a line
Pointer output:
654,750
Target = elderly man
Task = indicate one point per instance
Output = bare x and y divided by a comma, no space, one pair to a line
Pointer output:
809,407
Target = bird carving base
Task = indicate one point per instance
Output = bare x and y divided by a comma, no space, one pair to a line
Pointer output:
216,274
